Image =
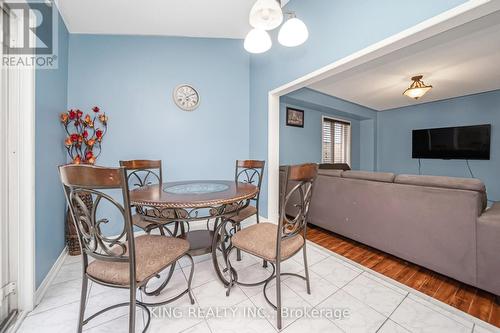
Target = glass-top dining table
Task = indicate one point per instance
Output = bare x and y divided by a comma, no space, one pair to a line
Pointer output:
184,202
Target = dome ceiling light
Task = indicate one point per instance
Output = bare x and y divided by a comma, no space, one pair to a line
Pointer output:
267,15
417,88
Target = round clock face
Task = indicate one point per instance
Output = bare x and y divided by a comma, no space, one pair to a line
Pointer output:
186,97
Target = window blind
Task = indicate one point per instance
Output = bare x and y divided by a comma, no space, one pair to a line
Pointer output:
336,141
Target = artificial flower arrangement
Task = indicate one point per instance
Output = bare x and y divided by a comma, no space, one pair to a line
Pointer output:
85,134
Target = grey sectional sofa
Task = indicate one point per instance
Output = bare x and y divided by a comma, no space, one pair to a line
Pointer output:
440,223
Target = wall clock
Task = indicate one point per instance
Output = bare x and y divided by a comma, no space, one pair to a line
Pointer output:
186,97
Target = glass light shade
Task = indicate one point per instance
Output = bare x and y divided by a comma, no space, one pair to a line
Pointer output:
293,33
266,15
417,88
257,41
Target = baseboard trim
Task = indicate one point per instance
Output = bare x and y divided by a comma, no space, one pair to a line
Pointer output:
44,286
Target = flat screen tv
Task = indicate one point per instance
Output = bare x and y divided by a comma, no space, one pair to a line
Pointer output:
465,142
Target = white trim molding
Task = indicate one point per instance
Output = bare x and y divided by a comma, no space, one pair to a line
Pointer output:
462,14
47,281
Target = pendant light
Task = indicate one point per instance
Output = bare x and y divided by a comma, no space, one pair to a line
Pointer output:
294,32
266,15
417,88
257,41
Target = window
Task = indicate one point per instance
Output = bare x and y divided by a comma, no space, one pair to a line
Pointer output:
336,141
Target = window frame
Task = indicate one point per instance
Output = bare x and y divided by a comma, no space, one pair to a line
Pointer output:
349,147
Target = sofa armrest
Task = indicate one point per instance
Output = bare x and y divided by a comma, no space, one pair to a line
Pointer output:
488,249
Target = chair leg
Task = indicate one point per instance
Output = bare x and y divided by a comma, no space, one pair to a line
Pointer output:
238,251
306,269
278,295
83,301
230,272
190,279
131,315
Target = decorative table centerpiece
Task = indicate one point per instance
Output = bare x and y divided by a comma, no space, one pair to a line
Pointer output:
83,144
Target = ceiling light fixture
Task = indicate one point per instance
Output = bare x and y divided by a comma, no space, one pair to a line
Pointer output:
294,32
417,88
268,15
257,41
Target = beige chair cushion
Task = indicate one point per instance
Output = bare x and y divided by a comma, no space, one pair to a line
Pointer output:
243,214
152,254
260,240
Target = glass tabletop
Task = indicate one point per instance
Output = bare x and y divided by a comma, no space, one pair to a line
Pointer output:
195,188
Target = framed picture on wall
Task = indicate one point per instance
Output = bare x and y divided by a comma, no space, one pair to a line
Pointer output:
294,117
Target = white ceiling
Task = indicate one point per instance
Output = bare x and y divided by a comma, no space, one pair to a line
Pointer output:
459,62
192,18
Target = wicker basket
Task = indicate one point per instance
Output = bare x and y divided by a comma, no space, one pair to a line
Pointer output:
72,240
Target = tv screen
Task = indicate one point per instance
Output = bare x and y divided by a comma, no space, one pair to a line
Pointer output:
465,142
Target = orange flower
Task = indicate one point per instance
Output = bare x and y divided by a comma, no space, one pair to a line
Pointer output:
89,121
77,159
68,142
103,118
64,117
91,142
91,160
80,139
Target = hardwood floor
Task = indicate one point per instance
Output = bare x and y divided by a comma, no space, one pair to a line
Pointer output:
476,302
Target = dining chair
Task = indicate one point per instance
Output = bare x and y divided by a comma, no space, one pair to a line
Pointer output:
121,261
279,242
250,172
142,173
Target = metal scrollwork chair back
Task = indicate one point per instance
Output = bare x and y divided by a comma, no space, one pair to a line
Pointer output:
79,180
142,173
250,172
296,193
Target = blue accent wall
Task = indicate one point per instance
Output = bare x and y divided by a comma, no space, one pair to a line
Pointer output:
50,100
395,142
337,29
301,145
132,79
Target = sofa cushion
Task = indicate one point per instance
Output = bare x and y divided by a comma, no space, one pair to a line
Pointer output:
330,172
470,184
387,177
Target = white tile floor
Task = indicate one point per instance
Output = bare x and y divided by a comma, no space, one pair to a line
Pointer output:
373,303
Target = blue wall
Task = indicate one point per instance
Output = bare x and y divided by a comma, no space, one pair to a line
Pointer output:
132,78
337,29
394,137
50,101
301,145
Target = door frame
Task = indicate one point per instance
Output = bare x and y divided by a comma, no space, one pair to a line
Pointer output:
20,198
462,14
